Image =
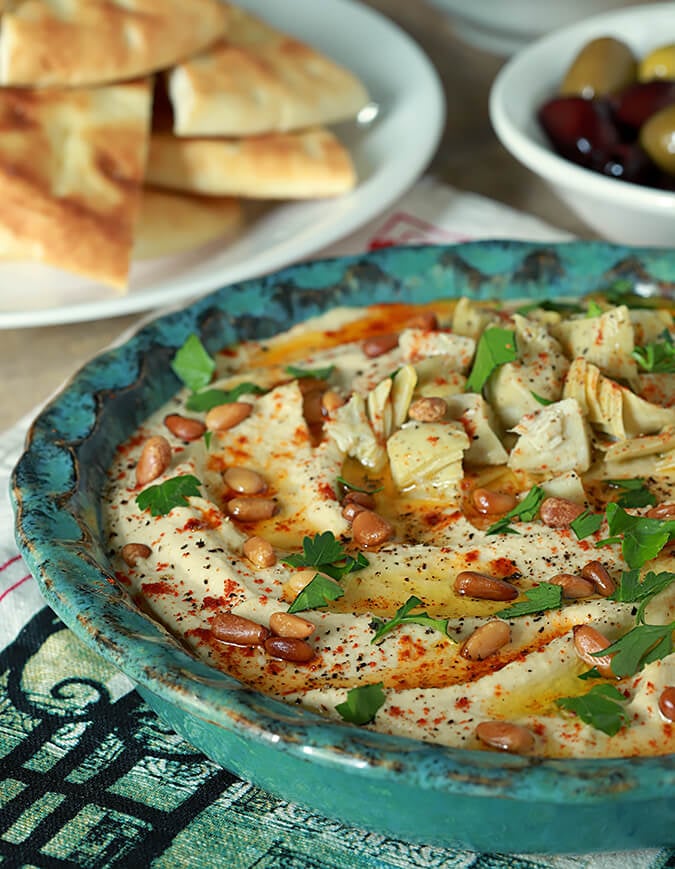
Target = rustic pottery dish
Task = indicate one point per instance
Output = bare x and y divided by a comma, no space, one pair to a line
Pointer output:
402,787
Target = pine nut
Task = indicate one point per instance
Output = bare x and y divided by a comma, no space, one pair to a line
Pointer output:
559,512
296,582
289,649
486,640
506,736
430,409
330,402
379,344
259,552
588,640
238,631
480,585
184,427
351,509
662,511
311,384
289,625
490,503
226,416
312,407
154,460
131,552
573,586
667,703
365,499
598,574
426,320
249,509
244,480
371,529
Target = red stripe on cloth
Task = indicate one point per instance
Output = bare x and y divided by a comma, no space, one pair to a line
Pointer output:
12,587
8,563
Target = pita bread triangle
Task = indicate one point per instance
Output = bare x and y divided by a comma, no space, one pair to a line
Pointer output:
258,80
88,42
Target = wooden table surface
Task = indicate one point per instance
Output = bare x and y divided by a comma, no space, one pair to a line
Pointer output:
35,361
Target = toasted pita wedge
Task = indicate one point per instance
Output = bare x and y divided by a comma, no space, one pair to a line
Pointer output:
171,223
88,42
258,80
71,169
307,164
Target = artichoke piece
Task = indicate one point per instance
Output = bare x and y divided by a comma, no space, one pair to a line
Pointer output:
379,408
553,441
426,457
388,403
648,324
458,350
568,486
471,320
607,341
352,433
477,418
647,455
658,388
435,377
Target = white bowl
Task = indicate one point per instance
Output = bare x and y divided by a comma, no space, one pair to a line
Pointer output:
505,26
616,210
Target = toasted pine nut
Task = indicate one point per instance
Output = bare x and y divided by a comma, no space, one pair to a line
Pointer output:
588,640
131,552
154,460
429,409
365,499
248,509
472,584
296,582
371,529
486,640
226,416
311,384
351,509
238,630
244,480
259,552
662,511
559,512
597,573
330,401
506,736
184,427
379,344
312,407
667,702
490,503
289,625
573,586
426,320
289,649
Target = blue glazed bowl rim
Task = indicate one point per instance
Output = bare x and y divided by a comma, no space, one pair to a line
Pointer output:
57,516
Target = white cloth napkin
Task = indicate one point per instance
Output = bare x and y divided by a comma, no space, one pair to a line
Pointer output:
430,213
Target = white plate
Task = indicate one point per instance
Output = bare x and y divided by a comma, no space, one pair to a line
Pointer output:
390,152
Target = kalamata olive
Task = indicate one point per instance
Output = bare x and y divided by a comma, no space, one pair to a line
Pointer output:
658,64
578,129
638,102
657,136
603,66
628,163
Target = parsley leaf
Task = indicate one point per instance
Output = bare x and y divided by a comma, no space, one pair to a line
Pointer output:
635,494
209,398
404,616
594,310
639,647
544,596
327,554
319,592
525,510
207,438
657,358
550,305
642,538
193,365
362,703
496,346
318,373
161,499
586,524
354,488
631,590
600,707
541,399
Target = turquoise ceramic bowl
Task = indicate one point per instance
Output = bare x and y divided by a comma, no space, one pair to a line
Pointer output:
402,787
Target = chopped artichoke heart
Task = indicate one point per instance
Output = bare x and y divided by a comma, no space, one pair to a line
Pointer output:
648,324
607,341
470,320
352,433
458,350
402,391
477,417
435,377
427,456
552,441
379,408
568,486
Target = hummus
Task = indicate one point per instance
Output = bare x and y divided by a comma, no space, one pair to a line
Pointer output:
523,403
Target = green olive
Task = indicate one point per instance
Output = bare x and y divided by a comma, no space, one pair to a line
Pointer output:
657,137
659,63
603,66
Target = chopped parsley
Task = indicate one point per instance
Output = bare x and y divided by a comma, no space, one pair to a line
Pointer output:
193,365
525,510
601,707
631,589
209,398
162,498
635,493
405,616
641,538
541,399
550,305
318,373
496,346
594,310
327,554
354,488
657,358
586,524
362,703
544,596
319,592
640,646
